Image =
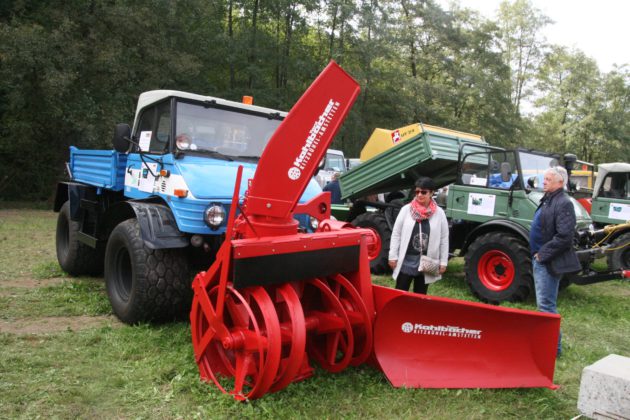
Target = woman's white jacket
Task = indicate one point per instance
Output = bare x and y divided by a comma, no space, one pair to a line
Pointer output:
438,240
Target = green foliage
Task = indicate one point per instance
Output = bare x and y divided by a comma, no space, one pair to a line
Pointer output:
70,70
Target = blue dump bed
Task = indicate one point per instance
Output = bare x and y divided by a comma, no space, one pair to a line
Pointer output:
101,168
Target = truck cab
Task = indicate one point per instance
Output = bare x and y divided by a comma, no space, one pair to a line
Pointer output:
503,184
611,194
187,150
610,210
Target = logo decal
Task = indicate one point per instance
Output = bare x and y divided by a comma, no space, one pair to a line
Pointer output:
395,136
294,173
443,330
407,327
312,141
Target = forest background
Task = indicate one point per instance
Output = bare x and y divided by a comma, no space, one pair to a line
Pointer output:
70,70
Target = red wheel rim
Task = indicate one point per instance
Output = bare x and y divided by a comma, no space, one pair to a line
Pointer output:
291,315
331,343
245,345
496,270
357,314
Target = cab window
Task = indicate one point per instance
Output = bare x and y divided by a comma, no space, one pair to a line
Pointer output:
615,186
154,128
475,170
503,170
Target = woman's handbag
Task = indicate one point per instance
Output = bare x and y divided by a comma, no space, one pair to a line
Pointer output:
429,265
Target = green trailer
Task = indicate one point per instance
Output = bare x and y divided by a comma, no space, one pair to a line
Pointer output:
431,150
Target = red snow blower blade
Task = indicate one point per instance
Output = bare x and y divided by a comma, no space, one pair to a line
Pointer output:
276,300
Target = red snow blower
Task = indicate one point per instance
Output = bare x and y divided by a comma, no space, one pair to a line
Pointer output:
276,300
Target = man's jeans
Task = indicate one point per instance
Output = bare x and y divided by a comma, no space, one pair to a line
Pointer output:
547,286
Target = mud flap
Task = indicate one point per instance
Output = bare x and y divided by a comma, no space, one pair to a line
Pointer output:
431,342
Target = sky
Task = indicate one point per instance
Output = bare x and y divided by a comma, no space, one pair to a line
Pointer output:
600,29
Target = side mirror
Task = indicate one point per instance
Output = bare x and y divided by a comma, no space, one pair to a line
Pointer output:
121,140
569,161
532,181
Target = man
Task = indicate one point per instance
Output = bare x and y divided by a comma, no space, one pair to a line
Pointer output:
335,189
551,241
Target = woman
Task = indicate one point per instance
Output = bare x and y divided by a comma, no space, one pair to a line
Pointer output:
419,246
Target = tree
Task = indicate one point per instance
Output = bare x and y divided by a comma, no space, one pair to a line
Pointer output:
522,44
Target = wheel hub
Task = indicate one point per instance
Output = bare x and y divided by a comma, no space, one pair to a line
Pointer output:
496,270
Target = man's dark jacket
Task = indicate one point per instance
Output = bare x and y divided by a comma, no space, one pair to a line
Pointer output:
335,191
557,224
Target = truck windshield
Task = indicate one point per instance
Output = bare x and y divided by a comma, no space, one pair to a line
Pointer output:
225,131
335,163
534,165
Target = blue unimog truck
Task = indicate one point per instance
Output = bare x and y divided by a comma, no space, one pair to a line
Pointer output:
155,207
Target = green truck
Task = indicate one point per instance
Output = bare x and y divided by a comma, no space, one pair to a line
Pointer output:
609,207
489,195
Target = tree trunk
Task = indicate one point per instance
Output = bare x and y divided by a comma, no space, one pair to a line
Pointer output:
231,46
332,30
252,50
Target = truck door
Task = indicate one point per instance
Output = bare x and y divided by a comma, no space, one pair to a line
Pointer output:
612,204
483,190
153,134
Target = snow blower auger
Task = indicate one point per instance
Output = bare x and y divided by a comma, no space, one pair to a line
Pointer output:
275,299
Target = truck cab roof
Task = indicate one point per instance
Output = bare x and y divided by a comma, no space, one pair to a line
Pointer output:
150,97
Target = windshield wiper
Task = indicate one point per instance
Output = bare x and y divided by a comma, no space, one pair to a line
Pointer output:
212,153
253,158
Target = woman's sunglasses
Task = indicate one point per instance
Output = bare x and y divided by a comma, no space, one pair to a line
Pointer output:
422,192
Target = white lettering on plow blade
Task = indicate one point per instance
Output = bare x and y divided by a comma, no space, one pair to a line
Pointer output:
312,141
442,330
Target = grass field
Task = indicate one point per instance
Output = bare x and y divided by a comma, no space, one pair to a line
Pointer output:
65,356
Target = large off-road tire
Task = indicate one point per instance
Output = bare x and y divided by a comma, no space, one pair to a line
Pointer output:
619,258
145,284
499,268
75,258
377,222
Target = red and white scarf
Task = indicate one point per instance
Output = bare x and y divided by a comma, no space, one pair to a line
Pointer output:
420,212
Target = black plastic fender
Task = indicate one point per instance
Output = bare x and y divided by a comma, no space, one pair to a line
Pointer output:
74,192
158,226
494,225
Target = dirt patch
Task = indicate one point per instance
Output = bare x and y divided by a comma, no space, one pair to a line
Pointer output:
30,283
50,325
11,287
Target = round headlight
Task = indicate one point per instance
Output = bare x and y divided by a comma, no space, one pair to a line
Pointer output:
214,215
313,222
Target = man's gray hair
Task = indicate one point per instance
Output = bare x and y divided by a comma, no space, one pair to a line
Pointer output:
559,173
